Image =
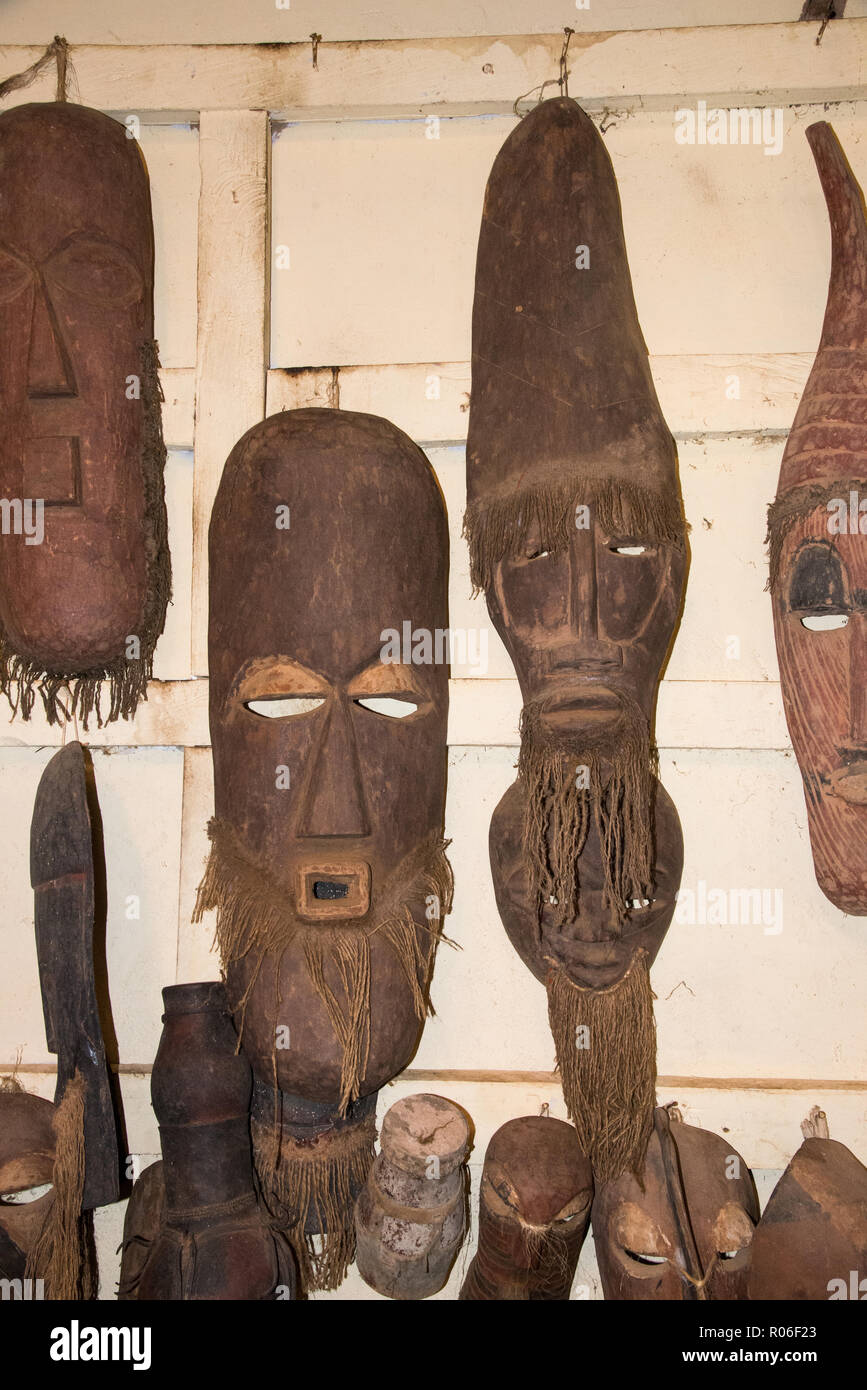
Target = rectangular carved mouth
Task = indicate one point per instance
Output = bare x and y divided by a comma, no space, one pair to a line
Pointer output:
334,890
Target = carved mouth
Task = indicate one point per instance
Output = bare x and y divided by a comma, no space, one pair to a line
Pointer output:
850,783
333,890
581,705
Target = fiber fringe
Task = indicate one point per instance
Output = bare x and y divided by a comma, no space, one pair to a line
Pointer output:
609,1086
68,695
793,506
320,1177
254,914
61,1255
497,529
559,813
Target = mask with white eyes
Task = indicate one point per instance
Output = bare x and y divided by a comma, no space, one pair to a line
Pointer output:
577,536
534,1210
328,867
817,529
84,561
682,1226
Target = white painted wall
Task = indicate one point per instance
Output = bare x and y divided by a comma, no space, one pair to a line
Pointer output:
729,252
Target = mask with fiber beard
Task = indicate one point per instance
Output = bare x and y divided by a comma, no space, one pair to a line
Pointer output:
576,534
327,866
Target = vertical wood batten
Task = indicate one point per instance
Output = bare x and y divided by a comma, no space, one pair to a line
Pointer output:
233,297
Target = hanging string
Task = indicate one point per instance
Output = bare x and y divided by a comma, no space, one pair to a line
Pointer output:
316,40
562,81
564,71
57,51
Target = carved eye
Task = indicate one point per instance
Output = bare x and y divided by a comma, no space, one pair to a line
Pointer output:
391,706
824,622
537,553
284,706
24,1195
645,1259
817,590
96,270
15,276
628,548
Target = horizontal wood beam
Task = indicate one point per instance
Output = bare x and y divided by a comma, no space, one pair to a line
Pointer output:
768,65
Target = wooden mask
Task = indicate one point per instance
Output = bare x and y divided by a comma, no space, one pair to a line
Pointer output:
534,1210
682,1227
327,866
84,561
817,529
576,533
811,1242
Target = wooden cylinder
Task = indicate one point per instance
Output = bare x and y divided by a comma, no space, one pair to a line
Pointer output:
411,1215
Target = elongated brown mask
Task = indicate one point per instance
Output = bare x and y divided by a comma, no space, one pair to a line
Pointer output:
328,535
811,1242
817,529
682,1228
84,563
576,533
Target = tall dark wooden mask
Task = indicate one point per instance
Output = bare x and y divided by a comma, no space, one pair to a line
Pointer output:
817,529
327,865
84,561
576,534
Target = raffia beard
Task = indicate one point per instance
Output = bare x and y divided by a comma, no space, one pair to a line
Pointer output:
618,799
256,915
609,1076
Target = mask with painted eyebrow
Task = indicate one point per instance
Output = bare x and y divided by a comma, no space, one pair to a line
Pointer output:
818,554
327,867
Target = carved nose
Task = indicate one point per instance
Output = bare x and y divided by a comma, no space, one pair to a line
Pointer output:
585,644
334,802
48,369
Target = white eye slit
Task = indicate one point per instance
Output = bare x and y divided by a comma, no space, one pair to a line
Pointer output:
727,1254
644,1259
387,705
824,622
27,1194
284,706
628,549
538,554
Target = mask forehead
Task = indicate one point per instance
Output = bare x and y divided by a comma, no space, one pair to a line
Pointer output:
65,169
363,550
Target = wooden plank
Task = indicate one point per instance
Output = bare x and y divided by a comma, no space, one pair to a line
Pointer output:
179,406
165,21
233,296
430,400
771,65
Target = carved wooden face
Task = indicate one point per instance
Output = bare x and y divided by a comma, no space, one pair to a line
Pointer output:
594,950
589,624
678,1235
329,760
76,287
811,1242
820,624
27,1146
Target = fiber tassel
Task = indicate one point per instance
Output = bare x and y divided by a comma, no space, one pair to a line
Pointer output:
61,1255
610,1084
